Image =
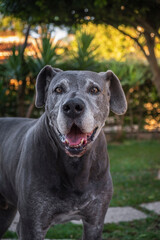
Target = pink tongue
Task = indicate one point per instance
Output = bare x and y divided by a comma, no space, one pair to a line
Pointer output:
75,136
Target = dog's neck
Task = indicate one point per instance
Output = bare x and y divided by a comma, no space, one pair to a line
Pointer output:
75,171
78,170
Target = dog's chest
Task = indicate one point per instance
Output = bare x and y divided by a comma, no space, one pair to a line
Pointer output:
65,217
74,210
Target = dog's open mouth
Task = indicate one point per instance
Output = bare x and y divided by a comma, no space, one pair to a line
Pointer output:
75,141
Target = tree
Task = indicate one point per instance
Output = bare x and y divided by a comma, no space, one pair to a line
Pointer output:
41,11
111,43
31,13
143,16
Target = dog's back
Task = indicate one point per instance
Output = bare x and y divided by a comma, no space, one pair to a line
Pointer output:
12,132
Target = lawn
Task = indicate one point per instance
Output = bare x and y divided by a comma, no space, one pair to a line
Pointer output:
134,168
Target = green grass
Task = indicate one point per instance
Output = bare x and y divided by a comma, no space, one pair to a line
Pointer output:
148,229
134,167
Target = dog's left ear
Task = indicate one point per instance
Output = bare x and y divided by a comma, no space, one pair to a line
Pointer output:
118,103
42,83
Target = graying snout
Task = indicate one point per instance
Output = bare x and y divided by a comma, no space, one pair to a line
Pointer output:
73,108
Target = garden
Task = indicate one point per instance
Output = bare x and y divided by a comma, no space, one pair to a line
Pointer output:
129,45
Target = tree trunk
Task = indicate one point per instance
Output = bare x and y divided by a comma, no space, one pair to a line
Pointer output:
31,107
120,121
156,81
22,88
153,61
21,98
151,58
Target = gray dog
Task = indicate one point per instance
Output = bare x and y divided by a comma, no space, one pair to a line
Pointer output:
55,169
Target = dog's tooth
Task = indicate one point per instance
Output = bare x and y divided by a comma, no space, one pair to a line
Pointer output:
82,140
78,145
66,141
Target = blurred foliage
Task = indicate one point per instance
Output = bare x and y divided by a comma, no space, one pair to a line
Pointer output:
15,72
68,13
46,55
135,76
82,54
136,81
14,67
111,43
8,96
10,23
142,16
131,73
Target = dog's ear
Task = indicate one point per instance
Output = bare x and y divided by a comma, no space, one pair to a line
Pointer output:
118,103
42,83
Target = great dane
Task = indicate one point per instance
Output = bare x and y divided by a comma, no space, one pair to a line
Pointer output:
56,168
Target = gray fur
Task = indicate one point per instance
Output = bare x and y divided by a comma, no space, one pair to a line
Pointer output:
38,177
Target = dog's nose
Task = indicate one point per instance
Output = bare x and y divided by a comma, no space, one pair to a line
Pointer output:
73,108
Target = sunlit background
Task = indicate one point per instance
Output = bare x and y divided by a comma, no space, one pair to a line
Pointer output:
108,48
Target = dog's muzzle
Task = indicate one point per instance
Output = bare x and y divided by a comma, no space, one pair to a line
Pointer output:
73,108
76,141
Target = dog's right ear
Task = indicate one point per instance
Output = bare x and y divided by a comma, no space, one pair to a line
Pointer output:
42,83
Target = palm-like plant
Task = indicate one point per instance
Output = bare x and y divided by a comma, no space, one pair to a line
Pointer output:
46,55
14,66
84,58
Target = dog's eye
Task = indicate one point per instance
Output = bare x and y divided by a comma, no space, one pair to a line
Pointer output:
94,90
59,90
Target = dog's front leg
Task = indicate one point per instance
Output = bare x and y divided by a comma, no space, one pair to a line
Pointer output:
36,216
93,220
92,231
29,229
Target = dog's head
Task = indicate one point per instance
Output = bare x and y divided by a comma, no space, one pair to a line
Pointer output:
77,104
